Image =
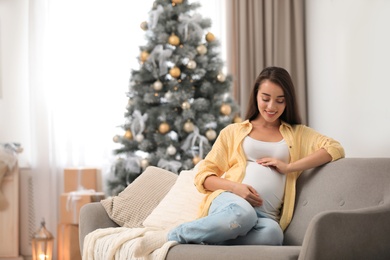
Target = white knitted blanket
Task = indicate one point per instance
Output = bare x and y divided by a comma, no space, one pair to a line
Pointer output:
118,242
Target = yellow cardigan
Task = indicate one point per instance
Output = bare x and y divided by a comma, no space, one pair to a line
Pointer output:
227,157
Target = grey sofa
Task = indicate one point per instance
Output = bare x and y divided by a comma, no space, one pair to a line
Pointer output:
342,212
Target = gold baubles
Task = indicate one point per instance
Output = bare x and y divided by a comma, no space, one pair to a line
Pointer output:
185,105
211,134
116,138
175,72
191,64
226,109
174,40
237,119
144,163
128,135
188,127
201,49
196,159
157,85
144,25
164,128
210,37
144,55
221,77
177,1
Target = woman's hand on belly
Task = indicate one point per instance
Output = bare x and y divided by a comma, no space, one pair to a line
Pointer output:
278,165
248,193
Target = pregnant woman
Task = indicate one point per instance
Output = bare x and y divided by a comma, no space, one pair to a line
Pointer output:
249,176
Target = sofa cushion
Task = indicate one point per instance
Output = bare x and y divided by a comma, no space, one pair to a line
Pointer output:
130,207
180,205
241,252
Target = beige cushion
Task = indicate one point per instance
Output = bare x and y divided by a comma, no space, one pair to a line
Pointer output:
130,207
180,205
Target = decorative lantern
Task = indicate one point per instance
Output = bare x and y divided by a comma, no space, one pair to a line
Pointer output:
42,244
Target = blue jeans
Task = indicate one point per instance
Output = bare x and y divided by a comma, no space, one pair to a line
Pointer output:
231,221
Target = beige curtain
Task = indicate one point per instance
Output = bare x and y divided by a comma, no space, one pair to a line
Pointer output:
263,33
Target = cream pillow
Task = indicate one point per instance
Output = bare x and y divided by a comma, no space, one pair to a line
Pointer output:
136,202
180,205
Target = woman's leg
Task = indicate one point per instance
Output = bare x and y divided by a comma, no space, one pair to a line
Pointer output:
266,232
229,216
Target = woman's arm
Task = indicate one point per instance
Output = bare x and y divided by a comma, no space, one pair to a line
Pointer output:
313,160
245,191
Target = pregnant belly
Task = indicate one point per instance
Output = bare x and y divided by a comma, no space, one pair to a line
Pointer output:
268,183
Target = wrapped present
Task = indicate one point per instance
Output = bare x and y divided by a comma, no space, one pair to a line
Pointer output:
82,179
71,203
68,242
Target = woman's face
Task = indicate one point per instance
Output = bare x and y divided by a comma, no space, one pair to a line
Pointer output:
270,101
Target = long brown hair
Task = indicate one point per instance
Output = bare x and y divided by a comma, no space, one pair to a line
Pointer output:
282,78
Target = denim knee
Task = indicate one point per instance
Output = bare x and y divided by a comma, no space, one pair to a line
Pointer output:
244,216
273,235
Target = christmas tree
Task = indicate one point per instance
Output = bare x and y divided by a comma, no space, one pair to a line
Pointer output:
179,98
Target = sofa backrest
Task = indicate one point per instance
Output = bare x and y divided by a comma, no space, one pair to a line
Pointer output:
345,184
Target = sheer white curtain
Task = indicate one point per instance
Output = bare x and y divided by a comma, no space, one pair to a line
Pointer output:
81,55
92,45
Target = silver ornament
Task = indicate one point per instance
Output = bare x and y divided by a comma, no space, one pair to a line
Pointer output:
221,77
139,138
171,150
191,64
157,85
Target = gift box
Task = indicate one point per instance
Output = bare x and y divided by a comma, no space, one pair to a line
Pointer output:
82,179
68,242
71,203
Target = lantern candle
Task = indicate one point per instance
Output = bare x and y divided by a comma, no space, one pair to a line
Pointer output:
42,244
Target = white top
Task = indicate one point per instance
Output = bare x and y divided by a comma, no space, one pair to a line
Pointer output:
268,182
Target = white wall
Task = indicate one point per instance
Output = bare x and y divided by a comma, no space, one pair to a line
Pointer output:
348,73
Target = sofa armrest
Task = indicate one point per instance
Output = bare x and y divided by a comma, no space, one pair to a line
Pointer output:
92,216
352,234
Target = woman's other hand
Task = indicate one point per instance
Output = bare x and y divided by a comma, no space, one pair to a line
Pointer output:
248,193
